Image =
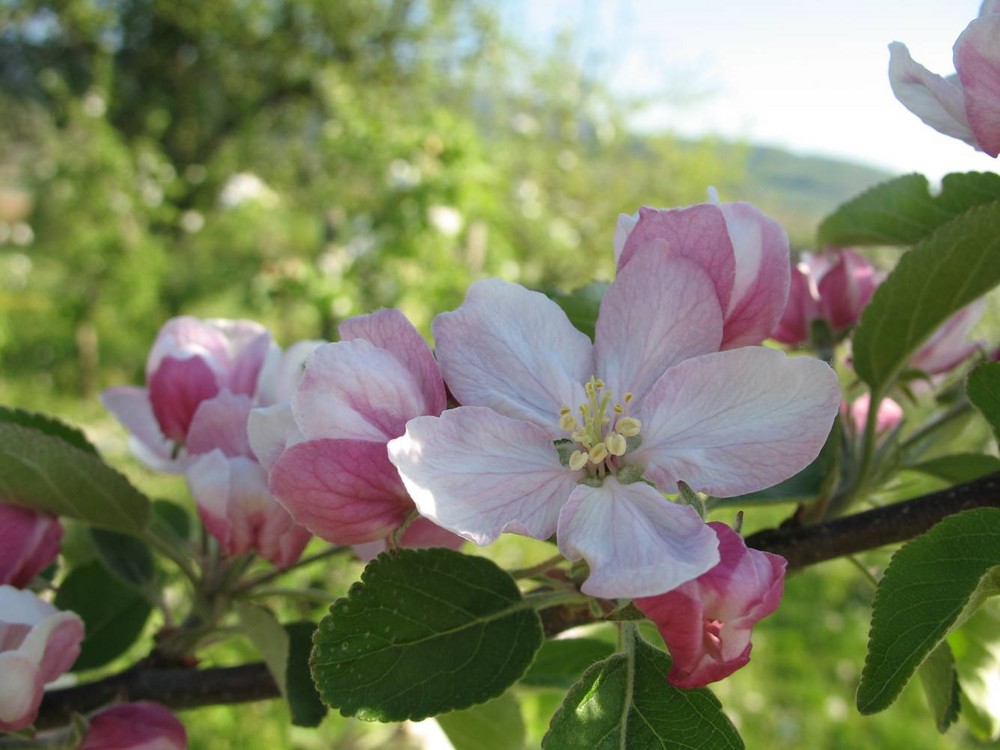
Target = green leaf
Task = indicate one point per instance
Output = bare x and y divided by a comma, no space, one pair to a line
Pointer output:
582,305
174,517
496,725
940,683
928,586
983,389
113,613
270,638
424,632
625,702
125,556
959,467
46,473
303,701
950,269
560,663
902,211
48,425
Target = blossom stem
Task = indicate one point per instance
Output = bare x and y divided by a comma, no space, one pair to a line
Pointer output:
538,568
545,599
330,551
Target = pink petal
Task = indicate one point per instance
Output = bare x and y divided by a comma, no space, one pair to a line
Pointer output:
977,60
29,543
270,430
846,288
131,407
935,100
636,542
221,422
176,388
801,308
355,391
761,282
252,347
280,375
514,351
21,689
479,473
135,726
947,347
698,233
344,491
189,335
421,534
208,480
659,311
736,421
390,330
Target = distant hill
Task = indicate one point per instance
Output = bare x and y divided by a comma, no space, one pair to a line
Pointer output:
800,190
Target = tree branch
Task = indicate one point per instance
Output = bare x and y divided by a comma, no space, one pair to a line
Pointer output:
806,545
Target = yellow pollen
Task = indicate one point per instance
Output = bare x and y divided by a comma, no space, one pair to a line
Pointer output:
598,453
577,460
567,423
628,426
616,444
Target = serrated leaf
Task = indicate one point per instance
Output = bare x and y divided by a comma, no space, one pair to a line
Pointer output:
49,426
424,632
268,636
983,390
626,703
940,682
928,586
496,725
306,708
113,613
959,467
957,264
46,473
902,211
582,305
560,663
125,556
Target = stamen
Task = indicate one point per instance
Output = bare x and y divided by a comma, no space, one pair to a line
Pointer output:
616,444
598,453
577,460
628,426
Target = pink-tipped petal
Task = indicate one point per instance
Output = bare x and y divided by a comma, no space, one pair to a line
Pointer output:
421,534
514,351
131,407
208,480
390,330
478,473
636,341
176,388
761,282
221,422
846,288
270,430
187,334
977,60
736,421
948,346
935,100
21,689
281,374
698,233
344,491
636,542
135,726
353,390
29,543
253,347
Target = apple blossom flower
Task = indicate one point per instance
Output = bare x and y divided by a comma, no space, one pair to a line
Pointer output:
833,286
888,417
191,361
744,252
706,623
965,105
948,345
135,726
29,543
325,451
560,436
38,643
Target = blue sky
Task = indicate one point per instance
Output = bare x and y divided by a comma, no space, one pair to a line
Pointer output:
809,76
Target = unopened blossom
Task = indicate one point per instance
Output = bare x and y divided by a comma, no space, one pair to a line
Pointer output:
38,643
29,543
560,436
706,623
191,361
143,725
744,253
325,451
888,417
965,105
949,346
833,286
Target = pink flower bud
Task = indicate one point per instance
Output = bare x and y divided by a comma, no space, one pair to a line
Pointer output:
948,346
966,105
135,726
890,414
38,643
706,623
834,286
29,542
744,252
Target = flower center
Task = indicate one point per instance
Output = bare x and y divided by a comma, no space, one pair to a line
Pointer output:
601,430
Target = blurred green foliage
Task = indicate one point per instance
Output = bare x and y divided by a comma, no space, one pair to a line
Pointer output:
294,161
